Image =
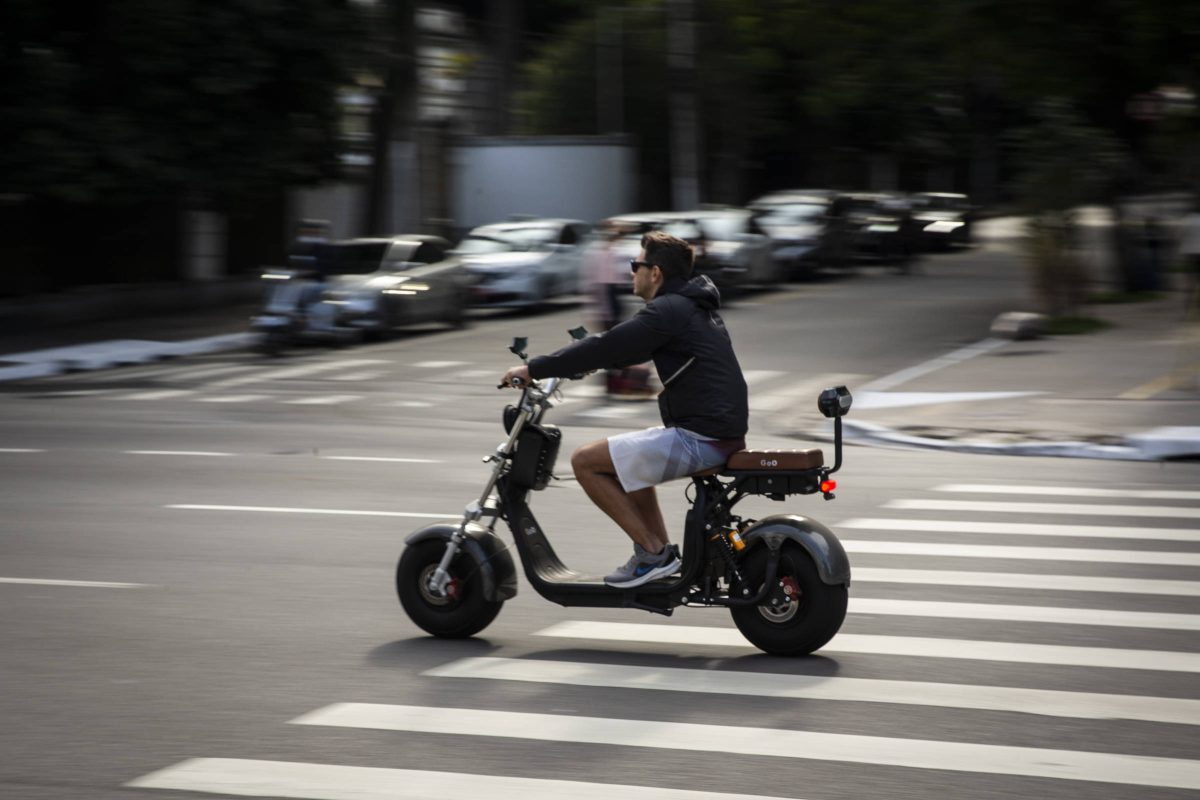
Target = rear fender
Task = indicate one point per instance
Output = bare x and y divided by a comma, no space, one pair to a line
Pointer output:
822,546
498,575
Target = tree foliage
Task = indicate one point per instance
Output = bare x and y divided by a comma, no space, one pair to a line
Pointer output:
785,86
129,100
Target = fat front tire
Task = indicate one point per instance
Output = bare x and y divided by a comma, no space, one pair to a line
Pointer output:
801,626
463,612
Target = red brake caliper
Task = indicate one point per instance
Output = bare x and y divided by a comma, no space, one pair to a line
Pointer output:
791,589
453,587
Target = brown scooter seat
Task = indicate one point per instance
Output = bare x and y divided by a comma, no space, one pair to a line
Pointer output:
775,460
768,461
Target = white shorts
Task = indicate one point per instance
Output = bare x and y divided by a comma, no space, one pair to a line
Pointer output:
657,455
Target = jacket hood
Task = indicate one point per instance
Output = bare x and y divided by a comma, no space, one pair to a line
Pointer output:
701,289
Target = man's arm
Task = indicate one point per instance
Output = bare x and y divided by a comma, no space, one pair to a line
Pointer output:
630,342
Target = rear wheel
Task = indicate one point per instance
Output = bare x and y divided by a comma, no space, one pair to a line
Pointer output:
464,611
812,616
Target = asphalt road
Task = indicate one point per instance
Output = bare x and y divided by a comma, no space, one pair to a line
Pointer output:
196,566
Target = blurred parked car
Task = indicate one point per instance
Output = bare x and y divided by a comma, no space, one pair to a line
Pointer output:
878,226
523,263
805,236
942,219
362,287
726,248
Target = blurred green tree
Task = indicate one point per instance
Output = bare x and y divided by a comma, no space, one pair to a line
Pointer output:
136,99
120,114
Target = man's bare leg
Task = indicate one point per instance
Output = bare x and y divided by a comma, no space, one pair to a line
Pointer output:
637,513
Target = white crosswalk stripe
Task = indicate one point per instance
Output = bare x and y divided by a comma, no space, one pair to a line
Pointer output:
256,778
780,743
323,400
1012,580
1014,613
1068,491
914,646
300,371
1082,705
1079,509
1026,553
1021,529
160,394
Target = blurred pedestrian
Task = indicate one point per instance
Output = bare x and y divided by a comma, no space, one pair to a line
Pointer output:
607,276
310,233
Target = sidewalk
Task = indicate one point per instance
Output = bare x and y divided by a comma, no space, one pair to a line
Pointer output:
1129,392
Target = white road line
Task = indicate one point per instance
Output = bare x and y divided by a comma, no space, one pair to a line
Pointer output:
324,400
84,584
1078,705
161,394
254,778
611,412
1008,580
1022,529
380,458
780,743
954,357
192,374
1084,509
174,453
369,375
1025,553
410,404
917,647
1069,491
441,364
754,376
1019,613
20,450
233,398
286,510
295,372
79,393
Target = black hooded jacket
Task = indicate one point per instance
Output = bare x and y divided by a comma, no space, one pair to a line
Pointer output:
679,329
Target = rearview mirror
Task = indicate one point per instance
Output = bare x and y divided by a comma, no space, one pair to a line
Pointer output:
835,402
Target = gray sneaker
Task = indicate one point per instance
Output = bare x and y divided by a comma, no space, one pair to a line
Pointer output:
643,567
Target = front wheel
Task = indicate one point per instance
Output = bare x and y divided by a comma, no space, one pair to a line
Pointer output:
810,619
464,611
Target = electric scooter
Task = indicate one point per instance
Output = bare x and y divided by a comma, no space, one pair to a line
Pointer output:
784,578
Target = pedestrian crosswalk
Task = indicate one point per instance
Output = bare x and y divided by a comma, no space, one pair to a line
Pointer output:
1098,716
240,379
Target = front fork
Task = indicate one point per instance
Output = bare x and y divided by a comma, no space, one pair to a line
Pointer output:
440,578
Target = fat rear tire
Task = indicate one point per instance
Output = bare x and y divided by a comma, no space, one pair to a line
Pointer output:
806,624
464,613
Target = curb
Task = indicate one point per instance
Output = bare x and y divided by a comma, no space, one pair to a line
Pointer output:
118,352
1158,444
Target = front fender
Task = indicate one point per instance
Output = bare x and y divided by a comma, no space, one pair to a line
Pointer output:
498,575
822,546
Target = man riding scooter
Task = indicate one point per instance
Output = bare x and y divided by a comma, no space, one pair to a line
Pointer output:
703,403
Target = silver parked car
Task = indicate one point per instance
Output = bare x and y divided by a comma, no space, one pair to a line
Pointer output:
361,287
523,263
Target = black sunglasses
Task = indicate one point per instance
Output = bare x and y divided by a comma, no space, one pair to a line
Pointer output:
635,265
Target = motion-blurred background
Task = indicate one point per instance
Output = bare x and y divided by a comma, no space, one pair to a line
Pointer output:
180,140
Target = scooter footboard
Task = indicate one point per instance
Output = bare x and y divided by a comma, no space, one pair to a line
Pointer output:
833,565
498,575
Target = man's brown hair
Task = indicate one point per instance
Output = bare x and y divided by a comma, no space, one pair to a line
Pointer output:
671,254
